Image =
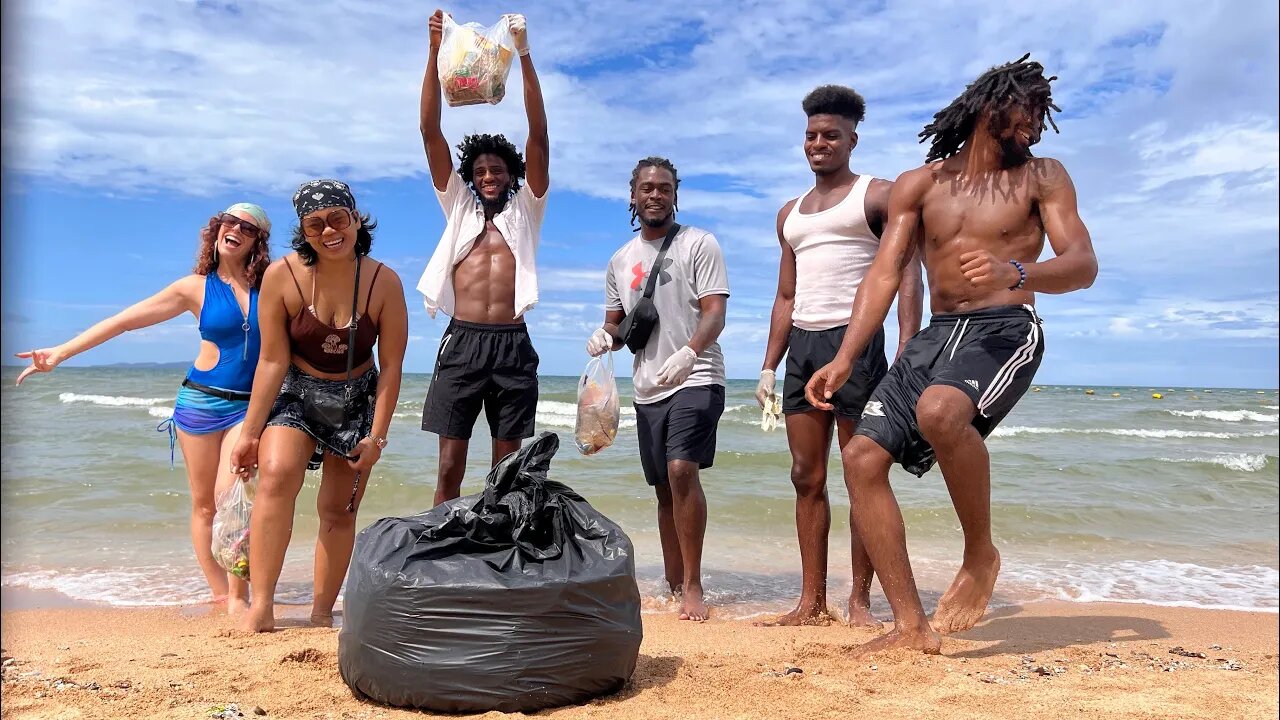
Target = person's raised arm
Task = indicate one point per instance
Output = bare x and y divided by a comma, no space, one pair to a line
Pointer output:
438,157
537,151
878,288
180,296
273,362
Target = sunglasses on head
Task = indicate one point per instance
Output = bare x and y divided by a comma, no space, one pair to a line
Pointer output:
246,228
339,220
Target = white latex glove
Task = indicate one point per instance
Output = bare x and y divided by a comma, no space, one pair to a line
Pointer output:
678,367
600,343
519,33
764,389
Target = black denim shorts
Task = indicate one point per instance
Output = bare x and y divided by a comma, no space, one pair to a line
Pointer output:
357,423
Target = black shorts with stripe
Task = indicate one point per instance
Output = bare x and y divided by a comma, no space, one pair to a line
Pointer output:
991,355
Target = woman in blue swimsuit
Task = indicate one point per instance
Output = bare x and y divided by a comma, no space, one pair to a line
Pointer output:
222,293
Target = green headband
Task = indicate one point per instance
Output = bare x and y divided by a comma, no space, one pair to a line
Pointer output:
258,214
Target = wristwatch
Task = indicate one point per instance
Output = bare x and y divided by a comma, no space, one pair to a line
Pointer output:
380,441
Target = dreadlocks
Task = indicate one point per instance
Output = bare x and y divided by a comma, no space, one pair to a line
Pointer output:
473,146
656,162
996,90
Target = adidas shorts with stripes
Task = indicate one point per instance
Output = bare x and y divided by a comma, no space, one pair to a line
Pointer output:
991,355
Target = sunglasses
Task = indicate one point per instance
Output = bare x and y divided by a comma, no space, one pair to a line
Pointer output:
248,229
339,220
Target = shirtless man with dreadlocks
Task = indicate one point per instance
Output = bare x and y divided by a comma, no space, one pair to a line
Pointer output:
483,274
983,206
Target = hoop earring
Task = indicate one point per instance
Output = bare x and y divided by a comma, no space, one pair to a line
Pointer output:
216,260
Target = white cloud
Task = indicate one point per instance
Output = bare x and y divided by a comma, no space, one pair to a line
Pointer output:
1169,126
1123,326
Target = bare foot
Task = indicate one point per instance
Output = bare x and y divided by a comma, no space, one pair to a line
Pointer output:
693,607
236,606
964,603
322,619
806,613
927,642
258,620
860,615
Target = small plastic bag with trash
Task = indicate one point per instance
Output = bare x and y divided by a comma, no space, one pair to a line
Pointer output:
597,423
231,530
474,62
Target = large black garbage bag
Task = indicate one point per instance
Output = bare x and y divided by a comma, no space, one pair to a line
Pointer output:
519,598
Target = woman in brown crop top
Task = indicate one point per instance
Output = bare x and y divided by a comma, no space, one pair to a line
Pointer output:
321,307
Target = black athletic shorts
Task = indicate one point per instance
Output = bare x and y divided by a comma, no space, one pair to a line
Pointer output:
490,365
809,350
991,355
679,427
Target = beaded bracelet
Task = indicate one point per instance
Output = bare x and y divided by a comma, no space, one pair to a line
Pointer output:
1022,275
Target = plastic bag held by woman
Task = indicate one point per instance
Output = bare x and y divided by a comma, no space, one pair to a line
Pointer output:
231,530
474,62
597,423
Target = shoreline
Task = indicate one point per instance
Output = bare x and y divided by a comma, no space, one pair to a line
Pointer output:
181,366
1047,659
21,598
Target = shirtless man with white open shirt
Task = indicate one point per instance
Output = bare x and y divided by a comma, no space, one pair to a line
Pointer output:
483,274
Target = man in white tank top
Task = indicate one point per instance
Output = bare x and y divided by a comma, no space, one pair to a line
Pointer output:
829,237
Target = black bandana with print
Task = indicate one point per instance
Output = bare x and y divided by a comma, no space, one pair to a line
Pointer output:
320,194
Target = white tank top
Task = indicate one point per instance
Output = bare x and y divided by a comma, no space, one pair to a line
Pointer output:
834,248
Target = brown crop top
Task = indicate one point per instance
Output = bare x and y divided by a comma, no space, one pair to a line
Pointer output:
325,347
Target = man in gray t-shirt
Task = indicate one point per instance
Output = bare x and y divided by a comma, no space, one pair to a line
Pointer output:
679,374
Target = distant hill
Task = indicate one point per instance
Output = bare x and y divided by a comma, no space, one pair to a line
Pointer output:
176,365
145,365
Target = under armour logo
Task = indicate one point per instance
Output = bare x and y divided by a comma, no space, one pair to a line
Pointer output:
875,408
638,275
972,383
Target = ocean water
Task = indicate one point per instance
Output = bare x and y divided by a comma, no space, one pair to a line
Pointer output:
1094,497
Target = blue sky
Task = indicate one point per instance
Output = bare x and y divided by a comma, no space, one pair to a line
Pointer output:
125,130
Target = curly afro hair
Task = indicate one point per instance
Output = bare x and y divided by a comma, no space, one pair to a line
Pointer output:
473,146
835,100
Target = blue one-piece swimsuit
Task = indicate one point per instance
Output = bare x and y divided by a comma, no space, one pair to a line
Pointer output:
216,399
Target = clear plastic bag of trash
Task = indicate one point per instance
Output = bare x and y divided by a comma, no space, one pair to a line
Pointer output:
231,530
598,409
474,62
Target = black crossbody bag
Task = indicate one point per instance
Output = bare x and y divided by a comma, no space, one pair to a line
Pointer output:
636,328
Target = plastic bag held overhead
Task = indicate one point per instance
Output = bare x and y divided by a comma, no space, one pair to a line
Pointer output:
598,409
519,598
231,530
474,62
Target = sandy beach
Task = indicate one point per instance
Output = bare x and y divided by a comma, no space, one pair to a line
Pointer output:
1040,660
